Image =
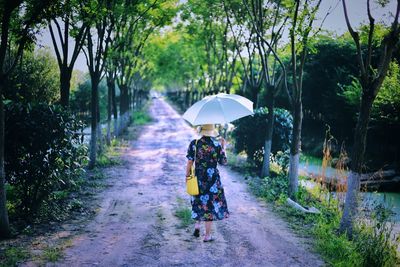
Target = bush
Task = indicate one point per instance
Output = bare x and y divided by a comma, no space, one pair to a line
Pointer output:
44,155
271,189
249,133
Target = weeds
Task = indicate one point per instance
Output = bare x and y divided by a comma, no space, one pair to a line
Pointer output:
52,254
140,118
12,256
183,213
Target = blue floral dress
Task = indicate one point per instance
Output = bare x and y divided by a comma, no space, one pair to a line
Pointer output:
210,204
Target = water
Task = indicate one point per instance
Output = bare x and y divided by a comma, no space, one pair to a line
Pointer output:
389,200
370,199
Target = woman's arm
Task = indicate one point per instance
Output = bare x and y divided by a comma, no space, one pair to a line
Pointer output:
188,167
222,155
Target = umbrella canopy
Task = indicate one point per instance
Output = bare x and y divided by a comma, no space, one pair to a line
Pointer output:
218,109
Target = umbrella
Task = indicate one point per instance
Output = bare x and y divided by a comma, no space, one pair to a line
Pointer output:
218,109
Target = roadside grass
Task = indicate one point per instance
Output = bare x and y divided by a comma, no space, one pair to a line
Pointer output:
141,118
110,155
52,254
183,213
12,256
372,244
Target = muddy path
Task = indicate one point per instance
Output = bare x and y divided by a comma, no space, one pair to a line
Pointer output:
136,226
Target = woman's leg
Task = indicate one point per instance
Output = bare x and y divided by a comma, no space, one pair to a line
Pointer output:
196,232
208,228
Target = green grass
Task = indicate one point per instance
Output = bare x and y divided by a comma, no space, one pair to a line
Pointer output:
140,118
105,160
12,256
183,213
185,216
52,254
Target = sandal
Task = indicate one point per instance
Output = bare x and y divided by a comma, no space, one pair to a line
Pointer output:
209,239
196,232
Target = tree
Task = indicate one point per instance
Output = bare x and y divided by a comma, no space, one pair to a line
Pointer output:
207,26
95,50
372,75
35,80
136,22
302,19
268,20
17,23
70,13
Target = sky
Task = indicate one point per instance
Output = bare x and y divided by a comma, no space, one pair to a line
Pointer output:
335,21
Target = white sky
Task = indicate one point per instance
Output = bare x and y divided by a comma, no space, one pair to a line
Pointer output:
334,22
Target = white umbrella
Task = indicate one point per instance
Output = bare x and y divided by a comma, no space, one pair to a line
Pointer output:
218,109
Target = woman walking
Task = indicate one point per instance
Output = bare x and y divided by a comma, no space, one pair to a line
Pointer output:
210,205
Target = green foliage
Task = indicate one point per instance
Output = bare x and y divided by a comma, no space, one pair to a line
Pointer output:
173,57
52,254
322,94
185,216
337,250
105,160
140,118
272,188
386,108
374,239
12,256
80,102
385,118
35,79
44,155
249,133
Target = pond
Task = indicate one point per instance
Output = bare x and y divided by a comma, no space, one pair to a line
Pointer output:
390,200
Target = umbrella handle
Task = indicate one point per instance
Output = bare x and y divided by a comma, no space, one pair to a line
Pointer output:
225,132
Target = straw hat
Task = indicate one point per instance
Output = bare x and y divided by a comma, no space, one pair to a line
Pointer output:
208,130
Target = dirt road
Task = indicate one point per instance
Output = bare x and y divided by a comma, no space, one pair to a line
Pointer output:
135,225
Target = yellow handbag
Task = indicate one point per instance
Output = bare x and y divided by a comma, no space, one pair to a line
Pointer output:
192,186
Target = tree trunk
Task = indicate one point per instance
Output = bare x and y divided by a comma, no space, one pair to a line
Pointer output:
93,132
187,98
357,159
134,98
65,84
99,130
109,111
114,110
4,223
295,147
124,99
268,137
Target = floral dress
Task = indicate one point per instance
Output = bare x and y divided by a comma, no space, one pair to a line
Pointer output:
210,204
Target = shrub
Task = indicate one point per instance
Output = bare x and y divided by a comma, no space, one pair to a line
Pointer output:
44,154
249,133
271,188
